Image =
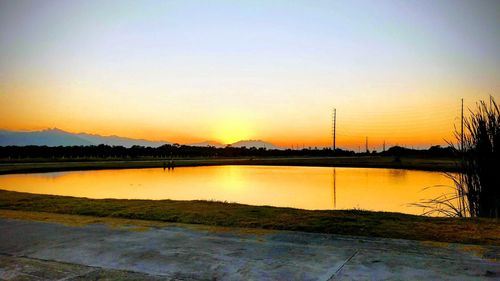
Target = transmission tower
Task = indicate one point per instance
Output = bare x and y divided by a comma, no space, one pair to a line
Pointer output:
334,127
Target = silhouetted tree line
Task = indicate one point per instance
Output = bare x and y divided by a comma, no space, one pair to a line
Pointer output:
165,151
178,151
433,151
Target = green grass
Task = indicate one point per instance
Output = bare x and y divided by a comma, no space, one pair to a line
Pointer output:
349,222
412,163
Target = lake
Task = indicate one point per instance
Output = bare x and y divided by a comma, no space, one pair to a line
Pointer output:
310,188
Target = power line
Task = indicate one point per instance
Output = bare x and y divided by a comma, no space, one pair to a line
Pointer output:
438,116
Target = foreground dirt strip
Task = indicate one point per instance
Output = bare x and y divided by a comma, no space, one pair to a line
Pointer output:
344,222
169,251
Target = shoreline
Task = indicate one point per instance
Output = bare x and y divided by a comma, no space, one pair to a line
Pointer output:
408,163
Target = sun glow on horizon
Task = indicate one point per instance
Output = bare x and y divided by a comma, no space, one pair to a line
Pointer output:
232,130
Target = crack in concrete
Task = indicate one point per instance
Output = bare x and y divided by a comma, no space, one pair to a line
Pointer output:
341,266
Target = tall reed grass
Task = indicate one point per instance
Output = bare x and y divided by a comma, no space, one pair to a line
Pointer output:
477,185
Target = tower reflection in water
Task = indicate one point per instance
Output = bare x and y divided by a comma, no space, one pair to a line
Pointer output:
334,187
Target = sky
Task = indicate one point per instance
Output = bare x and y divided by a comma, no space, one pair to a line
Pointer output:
188,71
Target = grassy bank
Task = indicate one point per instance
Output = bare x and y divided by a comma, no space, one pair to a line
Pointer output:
351,222
412,163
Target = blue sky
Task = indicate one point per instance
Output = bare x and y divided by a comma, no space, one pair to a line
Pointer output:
195,70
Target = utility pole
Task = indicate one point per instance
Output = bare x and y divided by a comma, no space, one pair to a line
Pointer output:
366,144
334,128
384,146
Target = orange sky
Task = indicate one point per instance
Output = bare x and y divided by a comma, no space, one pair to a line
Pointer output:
405,121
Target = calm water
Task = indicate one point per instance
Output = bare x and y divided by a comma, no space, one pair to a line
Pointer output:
299,187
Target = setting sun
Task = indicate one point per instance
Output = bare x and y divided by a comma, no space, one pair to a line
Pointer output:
232,130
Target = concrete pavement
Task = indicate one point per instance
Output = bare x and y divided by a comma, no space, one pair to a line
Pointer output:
53,251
